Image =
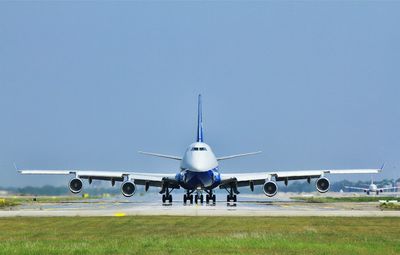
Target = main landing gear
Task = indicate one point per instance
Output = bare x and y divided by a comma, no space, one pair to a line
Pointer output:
210,197
188,197
167,198
198,198
167,195
231,197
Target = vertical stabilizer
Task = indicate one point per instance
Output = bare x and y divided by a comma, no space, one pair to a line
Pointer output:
199,121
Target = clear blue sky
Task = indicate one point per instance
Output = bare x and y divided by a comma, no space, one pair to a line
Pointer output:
86,85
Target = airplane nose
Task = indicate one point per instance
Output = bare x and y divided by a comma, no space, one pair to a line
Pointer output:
197,164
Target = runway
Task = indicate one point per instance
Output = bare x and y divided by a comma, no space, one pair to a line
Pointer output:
150,205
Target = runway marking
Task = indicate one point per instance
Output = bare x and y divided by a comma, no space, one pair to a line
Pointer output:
120,214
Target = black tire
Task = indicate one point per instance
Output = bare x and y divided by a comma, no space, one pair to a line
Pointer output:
191,199
196,199
214,199
170,198
234,198
163,198
184,199
202,199
207,199
228,198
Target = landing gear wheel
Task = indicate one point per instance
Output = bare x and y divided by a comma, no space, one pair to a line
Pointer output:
207,199
196,199
214,199
201,199
230,198
185,198
191,199
170,198
163,198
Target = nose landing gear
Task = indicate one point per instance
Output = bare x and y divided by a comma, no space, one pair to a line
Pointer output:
199,198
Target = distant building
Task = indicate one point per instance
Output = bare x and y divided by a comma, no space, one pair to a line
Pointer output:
3,192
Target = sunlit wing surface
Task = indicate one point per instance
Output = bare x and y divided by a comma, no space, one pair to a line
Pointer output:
153,179
260,177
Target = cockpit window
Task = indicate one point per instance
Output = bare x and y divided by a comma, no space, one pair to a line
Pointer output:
198,149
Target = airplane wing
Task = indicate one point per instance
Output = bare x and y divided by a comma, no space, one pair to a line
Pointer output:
150,179
160,155
356,188
392,188
237,155
246,179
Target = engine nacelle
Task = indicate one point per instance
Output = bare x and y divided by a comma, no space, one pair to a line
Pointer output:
322,185
270,188
75,185
128,188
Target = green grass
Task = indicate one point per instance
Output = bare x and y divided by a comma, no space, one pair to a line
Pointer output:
342,199
390,206
199,235
7,203
17,200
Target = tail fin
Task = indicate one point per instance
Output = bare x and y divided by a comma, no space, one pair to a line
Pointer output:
199,121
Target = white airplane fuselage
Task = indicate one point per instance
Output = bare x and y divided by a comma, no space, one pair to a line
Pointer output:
373,187
199,168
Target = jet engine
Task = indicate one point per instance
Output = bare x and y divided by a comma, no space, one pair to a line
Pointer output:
322,185
270,188
75,185
128,188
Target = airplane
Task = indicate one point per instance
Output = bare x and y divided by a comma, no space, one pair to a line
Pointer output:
199,173
372,188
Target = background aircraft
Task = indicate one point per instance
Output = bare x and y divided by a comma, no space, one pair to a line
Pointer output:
199,173
372,188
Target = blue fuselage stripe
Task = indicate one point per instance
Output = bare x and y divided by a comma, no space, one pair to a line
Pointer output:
205,180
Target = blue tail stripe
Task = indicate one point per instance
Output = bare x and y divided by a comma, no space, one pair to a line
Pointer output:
199,121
